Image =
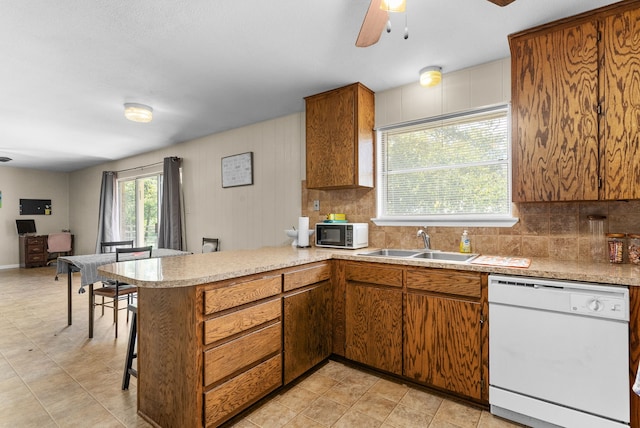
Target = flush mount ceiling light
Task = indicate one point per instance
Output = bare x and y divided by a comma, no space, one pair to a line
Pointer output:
430,76
138,112
393,5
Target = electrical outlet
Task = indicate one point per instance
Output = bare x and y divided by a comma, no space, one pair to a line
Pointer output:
316,205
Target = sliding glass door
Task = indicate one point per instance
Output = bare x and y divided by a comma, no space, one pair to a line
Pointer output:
139,209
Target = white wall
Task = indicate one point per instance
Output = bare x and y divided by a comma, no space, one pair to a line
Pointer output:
22,183
481,85
242,217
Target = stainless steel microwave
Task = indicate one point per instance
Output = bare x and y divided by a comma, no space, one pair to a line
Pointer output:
342,235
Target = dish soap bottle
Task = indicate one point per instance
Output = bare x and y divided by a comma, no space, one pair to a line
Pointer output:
465,243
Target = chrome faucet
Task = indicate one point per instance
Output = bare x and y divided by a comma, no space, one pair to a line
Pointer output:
425,238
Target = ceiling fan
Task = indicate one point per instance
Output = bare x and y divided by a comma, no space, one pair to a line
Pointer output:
376,18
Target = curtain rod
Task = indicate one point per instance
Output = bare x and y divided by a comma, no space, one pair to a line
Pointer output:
146,166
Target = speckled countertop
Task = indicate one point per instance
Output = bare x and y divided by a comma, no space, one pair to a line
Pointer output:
194,269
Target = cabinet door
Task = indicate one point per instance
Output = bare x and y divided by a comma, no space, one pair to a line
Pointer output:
554,114
374,326
330,120
307,329
339,138
442,343
620,133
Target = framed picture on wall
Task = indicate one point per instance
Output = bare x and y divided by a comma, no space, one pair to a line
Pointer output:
237,170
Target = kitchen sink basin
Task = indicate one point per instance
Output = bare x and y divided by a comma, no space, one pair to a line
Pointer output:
391,253
417,254
437,255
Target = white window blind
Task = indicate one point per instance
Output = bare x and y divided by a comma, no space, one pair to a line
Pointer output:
456,166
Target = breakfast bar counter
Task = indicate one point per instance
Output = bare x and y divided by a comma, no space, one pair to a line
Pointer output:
198,269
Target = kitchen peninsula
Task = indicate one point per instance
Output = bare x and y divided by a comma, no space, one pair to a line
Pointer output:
219,331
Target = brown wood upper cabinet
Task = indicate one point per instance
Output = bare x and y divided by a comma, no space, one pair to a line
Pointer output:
575,107
340,142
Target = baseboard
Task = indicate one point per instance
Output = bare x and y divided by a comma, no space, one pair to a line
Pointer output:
9,266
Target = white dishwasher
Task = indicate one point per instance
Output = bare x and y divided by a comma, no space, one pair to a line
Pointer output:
559,352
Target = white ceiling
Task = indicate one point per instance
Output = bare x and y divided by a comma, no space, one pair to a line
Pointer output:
205,66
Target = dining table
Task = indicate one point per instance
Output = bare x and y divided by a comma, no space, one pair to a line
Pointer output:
87,266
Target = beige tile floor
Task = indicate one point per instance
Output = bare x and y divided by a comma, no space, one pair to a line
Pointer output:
53,375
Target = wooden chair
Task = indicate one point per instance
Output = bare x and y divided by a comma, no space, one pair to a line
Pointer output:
117,290
110,246
210,245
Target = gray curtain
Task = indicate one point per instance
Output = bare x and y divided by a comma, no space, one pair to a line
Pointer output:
107,214
170,233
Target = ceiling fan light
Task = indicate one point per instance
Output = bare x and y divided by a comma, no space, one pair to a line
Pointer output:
393,5
430,76
138,112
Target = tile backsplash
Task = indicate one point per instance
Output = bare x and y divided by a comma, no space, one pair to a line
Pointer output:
547,229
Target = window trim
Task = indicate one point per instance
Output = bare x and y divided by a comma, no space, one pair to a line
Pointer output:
470,220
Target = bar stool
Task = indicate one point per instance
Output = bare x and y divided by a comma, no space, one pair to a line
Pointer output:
131,354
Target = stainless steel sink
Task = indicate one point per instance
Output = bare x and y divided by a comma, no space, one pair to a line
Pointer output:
437,255
416,254
391,253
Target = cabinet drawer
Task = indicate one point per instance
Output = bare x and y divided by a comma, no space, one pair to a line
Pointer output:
36,241
35,249
445,281
310,275
220,299
226,359
236,322
231,397
374,274
35,257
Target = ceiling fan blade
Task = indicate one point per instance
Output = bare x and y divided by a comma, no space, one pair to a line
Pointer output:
502,2
373,24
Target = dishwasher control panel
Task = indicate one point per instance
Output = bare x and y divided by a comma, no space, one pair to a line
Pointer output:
571,297
595,304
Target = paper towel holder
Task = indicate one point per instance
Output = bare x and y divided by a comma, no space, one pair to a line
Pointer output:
304,246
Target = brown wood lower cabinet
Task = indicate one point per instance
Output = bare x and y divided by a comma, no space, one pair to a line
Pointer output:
423,324
444,336
442,343
374,316
207,352
307,313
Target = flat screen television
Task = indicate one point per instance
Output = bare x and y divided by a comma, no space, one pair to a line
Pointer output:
26,226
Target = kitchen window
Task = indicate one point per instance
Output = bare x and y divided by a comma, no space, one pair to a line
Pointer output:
448,170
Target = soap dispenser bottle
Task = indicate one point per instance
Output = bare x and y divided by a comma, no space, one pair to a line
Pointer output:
465,243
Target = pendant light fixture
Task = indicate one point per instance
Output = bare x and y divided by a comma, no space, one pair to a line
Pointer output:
138,112
393,5
396,6
430,76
